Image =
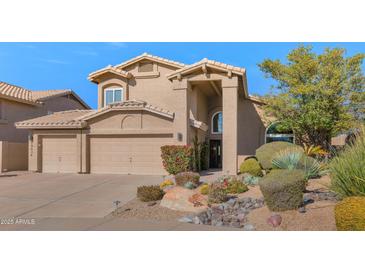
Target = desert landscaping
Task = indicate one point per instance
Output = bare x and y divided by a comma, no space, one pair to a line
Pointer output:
296,191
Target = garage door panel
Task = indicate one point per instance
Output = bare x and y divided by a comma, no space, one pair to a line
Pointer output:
59,154
127,155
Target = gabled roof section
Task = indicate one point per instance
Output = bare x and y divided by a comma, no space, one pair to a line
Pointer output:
43,95
146,56
130,105
62,119
16,93
94,76
202,64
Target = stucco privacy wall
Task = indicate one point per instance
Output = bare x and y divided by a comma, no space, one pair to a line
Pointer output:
13,156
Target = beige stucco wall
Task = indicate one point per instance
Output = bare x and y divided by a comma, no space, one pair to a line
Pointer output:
13,156
123,121
251,130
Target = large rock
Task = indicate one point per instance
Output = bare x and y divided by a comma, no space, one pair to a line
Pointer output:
177,198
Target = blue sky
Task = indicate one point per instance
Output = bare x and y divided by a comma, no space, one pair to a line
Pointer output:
66,65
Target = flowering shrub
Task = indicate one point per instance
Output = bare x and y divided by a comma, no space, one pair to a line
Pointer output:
217,193
176,159
184,177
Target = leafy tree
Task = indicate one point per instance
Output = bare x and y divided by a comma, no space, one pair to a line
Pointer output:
317,96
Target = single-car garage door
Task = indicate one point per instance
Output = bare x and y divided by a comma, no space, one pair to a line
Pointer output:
127,155
59,154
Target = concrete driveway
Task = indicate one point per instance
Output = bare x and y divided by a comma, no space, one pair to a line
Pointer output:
39,195
44,202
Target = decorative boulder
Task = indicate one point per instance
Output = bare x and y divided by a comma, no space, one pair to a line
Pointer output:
274,220
178,198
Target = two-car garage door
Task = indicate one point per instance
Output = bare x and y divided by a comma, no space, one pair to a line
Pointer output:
127,155
114,155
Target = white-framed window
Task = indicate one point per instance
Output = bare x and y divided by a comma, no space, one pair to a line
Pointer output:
273,134
217,123
113,95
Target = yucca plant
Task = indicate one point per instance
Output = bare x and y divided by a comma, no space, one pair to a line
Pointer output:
348,168
296,159
287,159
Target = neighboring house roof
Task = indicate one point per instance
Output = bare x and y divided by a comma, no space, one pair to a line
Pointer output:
42,95
16,93
151,58
63,119
12,92
78,118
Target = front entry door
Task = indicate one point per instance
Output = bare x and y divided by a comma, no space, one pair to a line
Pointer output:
215,154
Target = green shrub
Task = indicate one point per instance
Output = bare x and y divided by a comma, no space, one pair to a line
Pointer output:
283,189
350,214
176,159
266,152
348,169
190,185
217,193
236,187
183,177
252,167
149,193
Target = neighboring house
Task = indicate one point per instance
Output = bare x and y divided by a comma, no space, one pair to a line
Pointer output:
143,104
17,104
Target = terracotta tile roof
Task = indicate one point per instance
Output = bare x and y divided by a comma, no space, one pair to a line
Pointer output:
151,57
43,94
78,118
16,93
208,62
130,105
93,76
63,119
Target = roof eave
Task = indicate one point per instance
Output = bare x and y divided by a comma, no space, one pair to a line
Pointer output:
11,98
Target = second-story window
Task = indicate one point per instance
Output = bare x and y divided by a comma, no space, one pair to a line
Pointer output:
113,96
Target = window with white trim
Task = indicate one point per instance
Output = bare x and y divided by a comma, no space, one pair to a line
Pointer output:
273,134
113,95
217,123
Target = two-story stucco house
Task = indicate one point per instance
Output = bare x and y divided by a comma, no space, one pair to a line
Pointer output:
143,104
18,104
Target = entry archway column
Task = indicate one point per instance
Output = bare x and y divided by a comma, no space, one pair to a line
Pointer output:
230,125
